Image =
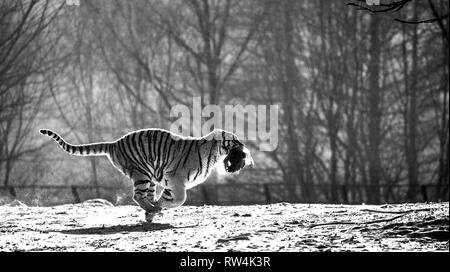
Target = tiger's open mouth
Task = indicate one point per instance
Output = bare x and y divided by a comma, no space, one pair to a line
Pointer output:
237,158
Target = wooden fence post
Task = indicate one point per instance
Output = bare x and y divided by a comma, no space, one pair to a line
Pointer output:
424,193
205,195
445,192
12,191
75,194
267,193
344,194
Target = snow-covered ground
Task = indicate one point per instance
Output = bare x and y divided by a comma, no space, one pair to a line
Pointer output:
99,226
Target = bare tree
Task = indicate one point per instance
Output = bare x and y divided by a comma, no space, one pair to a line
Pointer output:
25,54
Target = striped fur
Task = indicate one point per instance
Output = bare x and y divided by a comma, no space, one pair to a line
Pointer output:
97,149
158,158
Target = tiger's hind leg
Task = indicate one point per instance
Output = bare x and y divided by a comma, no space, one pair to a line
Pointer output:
144,195
173,195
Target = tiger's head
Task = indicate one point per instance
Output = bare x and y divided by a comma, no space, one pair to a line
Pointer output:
237,156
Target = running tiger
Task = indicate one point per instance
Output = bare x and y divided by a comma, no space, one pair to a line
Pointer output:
152,157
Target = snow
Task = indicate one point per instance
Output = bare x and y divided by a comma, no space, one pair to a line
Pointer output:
99,226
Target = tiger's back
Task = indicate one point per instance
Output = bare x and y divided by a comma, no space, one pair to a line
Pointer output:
160,155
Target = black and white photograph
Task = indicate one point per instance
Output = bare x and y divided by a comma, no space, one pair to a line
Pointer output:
224,126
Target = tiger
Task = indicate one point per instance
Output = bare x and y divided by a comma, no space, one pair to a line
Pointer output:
151,157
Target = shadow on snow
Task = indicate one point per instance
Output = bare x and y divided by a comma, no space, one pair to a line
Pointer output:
144,227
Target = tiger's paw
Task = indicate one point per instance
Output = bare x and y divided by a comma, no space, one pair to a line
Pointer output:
150,215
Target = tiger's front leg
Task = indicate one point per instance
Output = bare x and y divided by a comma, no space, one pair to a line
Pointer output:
171,198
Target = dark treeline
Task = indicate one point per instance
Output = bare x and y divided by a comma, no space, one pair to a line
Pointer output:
363,99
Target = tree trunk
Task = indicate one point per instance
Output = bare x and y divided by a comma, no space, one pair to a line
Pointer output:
374,97
332,128
212,79
411,147
289,84
443,177
328,94
90,133
7,172
309,149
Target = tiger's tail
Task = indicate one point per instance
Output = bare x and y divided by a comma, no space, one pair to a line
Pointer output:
94,149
